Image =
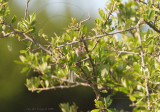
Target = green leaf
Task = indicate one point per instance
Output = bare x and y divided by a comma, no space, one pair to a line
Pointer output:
23,51
150,48
67,37
65,107
25,69
111,110
96,110
128,23
151,14
104,70
132,98
123,90
33,22
104,91
84,29
22,58
38,91
124,82
33,17
65,51
73,57
86,69
101,13
14,19
148,39
98,104
18,62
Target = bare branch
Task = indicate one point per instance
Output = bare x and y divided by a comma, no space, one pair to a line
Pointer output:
141,1
26,9
6,35
99,36
85,20
95,44
64,80
156,36
153,27
60,87
83,60
38,44
126,52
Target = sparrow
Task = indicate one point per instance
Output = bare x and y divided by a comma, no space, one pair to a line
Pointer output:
80,51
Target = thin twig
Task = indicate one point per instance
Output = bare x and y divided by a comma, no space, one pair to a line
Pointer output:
126,52
60,87
90,58
141,1
26,9
82,60
64,80
28,38
6,35
142,61
109,14
156,36
153,27
89,17
95,44
96,37
93,86
38,44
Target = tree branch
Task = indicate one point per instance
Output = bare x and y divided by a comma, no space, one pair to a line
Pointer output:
126,52
26,9
142,61
153,27
6,35
64,80
90,58
109,14
96,37
60,87
28,38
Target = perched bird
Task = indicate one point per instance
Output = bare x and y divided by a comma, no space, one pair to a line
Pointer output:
80,51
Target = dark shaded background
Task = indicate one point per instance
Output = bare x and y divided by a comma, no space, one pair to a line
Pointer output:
14,96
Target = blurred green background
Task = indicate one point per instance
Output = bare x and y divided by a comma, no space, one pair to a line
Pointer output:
52,16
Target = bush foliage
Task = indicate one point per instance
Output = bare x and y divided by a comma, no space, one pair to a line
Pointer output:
120,53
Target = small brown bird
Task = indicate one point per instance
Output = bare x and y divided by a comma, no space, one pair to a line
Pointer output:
80,51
